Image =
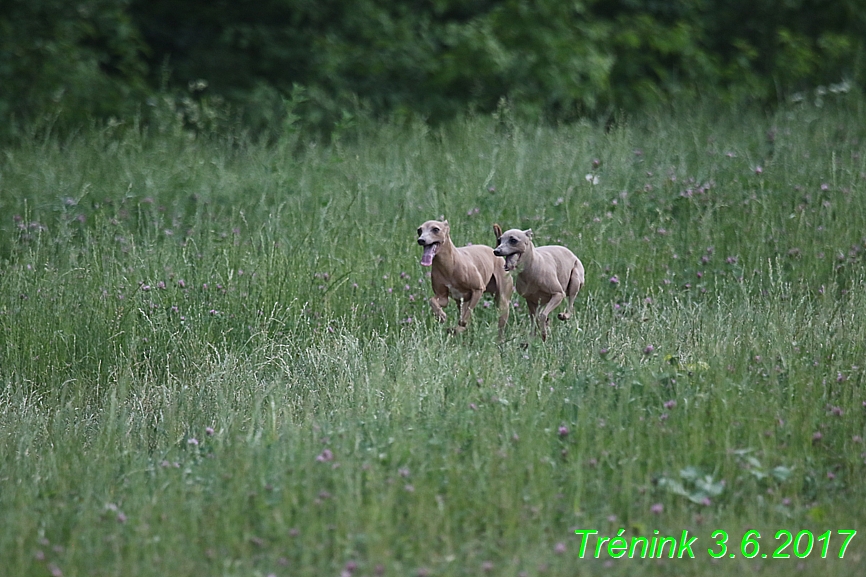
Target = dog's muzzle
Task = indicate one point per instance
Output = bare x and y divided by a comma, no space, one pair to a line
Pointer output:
430,251
511,260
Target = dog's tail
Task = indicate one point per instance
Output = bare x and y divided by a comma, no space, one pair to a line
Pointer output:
497,230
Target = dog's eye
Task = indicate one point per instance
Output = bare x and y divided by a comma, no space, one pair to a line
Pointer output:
435,230
419,231
512,240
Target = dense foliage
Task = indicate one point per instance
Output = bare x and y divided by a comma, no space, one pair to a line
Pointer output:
71,62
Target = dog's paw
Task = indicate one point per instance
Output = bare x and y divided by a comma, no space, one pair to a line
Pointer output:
456,330
563,316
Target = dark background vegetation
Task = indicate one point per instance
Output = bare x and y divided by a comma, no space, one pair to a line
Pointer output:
263,62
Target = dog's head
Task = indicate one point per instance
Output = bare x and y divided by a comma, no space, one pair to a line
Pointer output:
512,244
431,235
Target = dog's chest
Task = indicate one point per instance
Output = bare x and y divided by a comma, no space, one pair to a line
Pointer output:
527,288
455,292
523,285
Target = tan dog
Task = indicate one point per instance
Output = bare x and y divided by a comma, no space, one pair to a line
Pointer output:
546,275
463,273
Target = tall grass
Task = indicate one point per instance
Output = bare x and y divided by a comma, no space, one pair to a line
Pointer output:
216,357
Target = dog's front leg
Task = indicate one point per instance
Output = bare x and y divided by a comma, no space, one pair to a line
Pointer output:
531,308
505,287
466,308
543,316
436,303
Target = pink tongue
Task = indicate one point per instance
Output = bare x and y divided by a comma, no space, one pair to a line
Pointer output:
429,253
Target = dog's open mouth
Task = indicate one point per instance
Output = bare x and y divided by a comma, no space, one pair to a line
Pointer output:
430,251
511,261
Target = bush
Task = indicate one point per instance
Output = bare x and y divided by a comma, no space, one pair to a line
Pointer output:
66,63
415,58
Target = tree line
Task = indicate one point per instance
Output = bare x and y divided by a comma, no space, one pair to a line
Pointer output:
259,61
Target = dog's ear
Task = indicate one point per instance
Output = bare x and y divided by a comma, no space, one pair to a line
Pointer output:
446,227
528,233
497,230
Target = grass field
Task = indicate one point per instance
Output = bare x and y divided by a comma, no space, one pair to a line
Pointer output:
217,358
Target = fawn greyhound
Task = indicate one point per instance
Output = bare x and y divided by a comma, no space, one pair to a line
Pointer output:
546,275
463,273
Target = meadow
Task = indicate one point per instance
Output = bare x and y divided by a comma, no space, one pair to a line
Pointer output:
217,356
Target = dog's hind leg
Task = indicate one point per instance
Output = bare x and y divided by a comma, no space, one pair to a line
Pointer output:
575,282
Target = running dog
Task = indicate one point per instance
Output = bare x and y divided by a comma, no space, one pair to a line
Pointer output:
546,275
463,273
